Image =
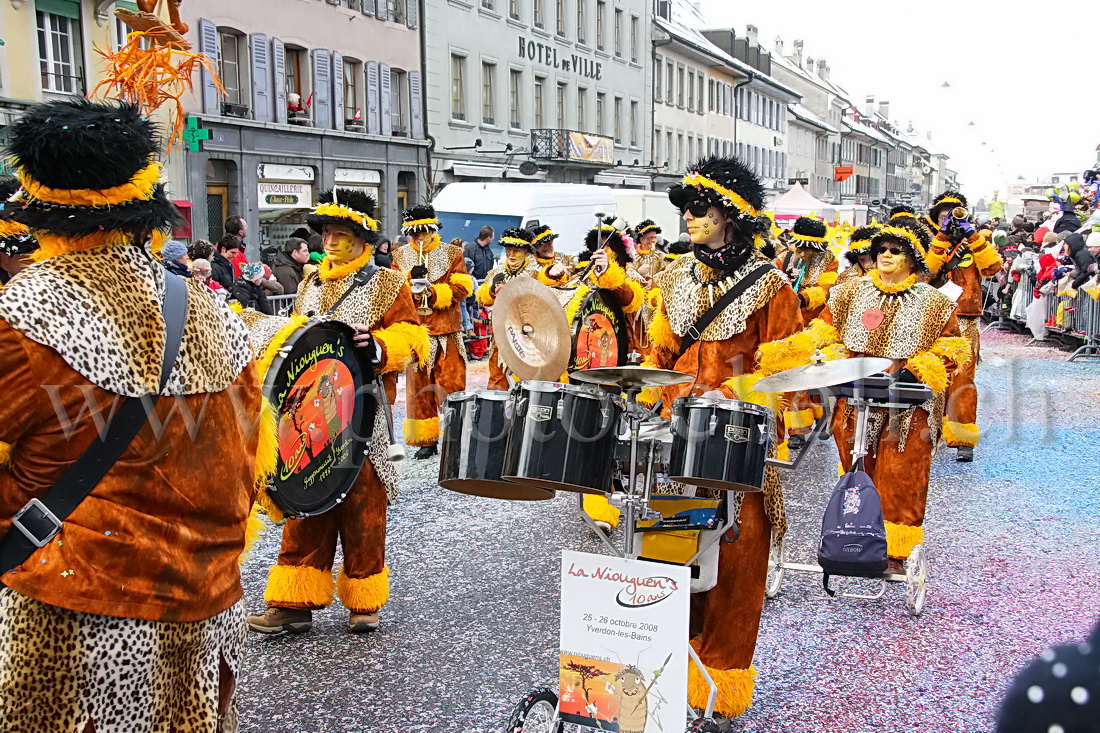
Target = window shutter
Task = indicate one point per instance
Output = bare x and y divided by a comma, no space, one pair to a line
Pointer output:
412,12
384,98
374,123
338,90
391,9
416,106
208,44
368,7
278,68
322,89
261,77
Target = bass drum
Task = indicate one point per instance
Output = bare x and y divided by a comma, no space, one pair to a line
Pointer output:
563,437
476,425
600,332
719,443
321,386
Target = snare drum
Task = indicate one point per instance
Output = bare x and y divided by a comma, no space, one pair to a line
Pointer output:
476,425
563,437
719,443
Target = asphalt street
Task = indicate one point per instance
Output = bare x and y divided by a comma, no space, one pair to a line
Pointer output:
472,621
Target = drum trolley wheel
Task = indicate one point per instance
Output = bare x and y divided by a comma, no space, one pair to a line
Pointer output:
915,577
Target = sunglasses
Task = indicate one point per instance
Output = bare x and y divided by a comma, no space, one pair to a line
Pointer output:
698,208
894,250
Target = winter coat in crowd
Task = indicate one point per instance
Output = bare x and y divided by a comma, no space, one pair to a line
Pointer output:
251,295
288,272
482,257
383,259
222,270
1083,260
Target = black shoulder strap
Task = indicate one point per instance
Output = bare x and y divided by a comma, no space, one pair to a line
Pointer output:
945,272
720,305
40,519
361,278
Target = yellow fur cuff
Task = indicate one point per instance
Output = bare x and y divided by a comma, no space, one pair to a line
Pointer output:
793,351
463,284
420,433
543,277
444,296
823,333
612,278
986,259
783,451
901,538
484,294
797,419
827,279
935,257
735,688
597,507
660,332
637,297
364,595
815,297
743,388
655,299
298,586
401,344
929,369
954,348
957,434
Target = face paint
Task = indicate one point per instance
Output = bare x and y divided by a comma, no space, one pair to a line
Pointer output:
421,239
894,265
515,257
340,244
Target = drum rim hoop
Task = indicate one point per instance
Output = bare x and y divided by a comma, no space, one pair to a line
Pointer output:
700,401
491,395
288,346
536,385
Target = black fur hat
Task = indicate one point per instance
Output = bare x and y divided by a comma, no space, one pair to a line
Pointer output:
542,234
911,235
516,237
648,225
946,199
810,233
15,238
605,235
859,242
903,211
89,167
729,184
416,219
352,208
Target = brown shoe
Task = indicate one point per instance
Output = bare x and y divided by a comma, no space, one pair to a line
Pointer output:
895,567
359,623
277,620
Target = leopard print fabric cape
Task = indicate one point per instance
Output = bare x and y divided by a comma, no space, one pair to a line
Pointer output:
61,670
689,288
912,320
100,311
438,261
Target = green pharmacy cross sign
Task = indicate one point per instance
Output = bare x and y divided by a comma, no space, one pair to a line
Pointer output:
194,135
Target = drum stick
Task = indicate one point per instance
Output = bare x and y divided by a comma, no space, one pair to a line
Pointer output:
395,452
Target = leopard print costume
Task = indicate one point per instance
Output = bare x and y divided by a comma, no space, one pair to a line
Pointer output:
815,266
438,260
95,308
156,676
690,288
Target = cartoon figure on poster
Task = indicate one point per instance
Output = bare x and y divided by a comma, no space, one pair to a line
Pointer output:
319,408
599,338
624,702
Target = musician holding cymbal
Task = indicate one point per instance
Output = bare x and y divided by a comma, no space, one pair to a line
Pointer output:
378,304
892,313
553,268
517,263
439,281
714,309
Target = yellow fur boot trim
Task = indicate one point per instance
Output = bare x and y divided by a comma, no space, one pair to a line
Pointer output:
252,529
298,585
734,688
364,595
958,433
402,343
597,507
444,296
901,538
420,433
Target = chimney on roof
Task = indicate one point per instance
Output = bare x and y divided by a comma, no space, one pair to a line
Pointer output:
751,33
778,46
797,55
823,69
869,107
911,127
809,64
884,109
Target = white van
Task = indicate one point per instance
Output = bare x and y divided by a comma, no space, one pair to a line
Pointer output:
636,205
567,208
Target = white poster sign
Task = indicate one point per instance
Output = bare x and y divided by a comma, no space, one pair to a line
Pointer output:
624,631
285,195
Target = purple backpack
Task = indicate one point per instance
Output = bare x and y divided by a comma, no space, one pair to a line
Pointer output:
853,536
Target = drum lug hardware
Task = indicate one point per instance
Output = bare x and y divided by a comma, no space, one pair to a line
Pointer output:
713,425
561,407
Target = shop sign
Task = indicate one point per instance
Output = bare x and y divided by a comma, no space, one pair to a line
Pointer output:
281,195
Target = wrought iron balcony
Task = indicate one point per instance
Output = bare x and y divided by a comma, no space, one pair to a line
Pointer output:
572,145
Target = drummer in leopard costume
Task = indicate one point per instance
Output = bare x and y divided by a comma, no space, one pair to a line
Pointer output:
648,260
439,303
132,615
722,202
892,313
382,312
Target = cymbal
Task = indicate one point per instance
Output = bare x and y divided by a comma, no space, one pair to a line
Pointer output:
823,374
530,330
631,376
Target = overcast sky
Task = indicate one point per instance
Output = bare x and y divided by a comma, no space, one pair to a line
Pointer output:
1023,77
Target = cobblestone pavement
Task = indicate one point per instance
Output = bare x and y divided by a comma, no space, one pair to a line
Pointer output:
472,620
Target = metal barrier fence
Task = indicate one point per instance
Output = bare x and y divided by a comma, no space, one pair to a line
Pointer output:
282,305
1072,317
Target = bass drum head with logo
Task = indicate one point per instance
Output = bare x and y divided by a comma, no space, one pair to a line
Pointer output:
600,332
720,444
319,385
476,426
